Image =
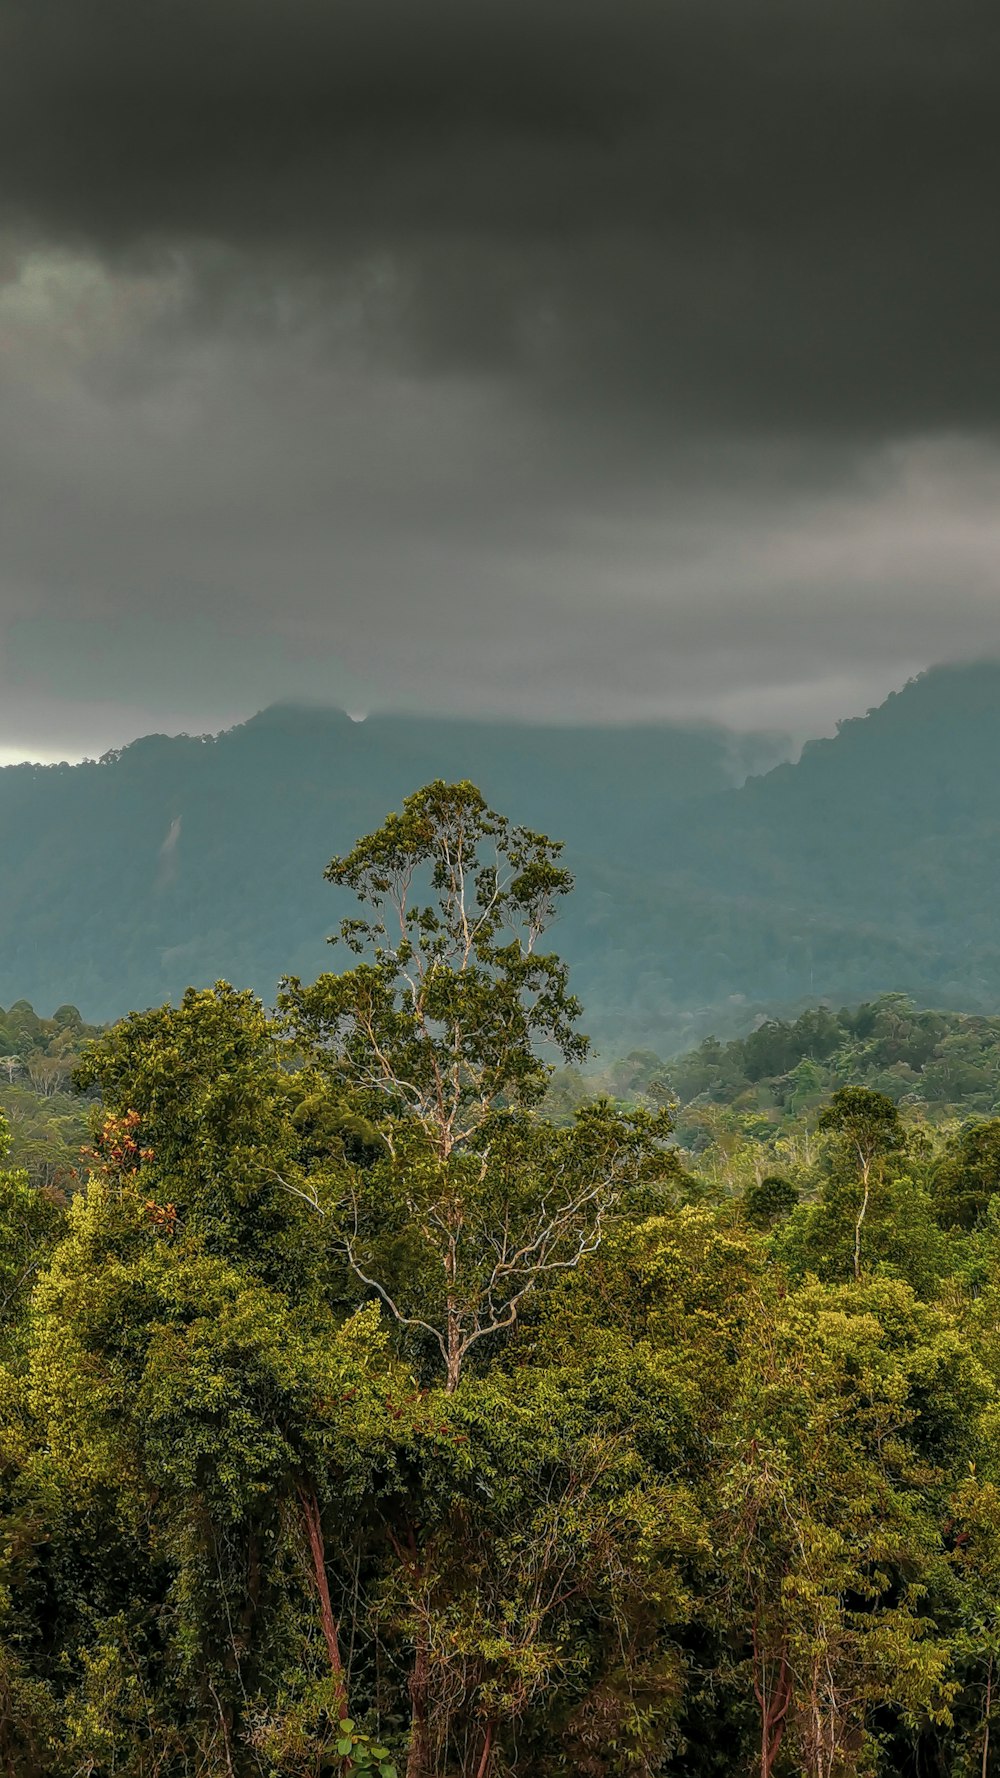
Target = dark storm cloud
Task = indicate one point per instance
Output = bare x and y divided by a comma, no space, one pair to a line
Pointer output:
736,212
556,357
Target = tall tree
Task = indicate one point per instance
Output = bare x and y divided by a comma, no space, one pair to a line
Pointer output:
868,1130
439,1036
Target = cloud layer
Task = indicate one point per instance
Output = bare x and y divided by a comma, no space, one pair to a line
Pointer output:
585,356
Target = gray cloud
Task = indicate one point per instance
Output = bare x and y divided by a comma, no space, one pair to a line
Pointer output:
632,358
738,209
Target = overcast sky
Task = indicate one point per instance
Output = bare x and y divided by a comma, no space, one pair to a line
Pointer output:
610,359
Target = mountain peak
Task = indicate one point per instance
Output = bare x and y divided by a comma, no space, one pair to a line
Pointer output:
291,714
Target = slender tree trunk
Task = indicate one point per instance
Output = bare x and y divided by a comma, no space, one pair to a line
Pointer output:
418,1757
858,1225
331,1629
223,1724
822,1735
773,1706
774,1722
454,1359
252,1601
986,1725
484,1763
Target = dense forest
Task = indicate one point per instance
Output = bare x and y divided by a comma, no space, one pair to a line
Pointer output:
755,1098
378,1399
45,1118
716,880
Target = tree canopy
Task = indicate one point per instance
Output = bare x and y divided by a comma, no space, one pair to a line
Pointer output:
382,1398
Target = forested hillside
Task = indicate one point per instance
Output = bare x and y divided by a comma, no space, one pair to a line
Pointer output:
359,1414
941,1064
749,1107
867,867
185,859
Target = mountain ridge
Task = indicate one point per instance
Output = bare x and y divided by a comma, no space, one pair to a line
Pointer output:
864,866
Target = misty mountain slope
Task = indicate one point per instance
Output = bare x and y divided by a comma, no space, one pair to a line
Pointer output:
182,859
895,821
869,865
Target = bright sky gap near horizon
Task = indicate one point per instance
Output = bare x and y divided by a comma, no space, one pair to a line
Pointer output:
592,360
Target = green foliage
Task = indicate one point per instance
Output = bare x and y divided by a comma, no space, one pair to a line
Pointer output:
443,1019
307,1735
466,1202
945,1061
853,1408
31,1220
867,1124
769,1199
967,1178
48,1122
380,1404
212,1110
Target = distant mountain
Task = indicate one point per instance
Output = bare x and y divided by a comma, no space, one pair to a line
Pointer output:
181,859
870,865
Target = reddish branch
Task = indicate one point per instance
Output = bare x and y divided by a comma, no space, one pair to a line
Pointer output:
773,1706
484,1763
331,1636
